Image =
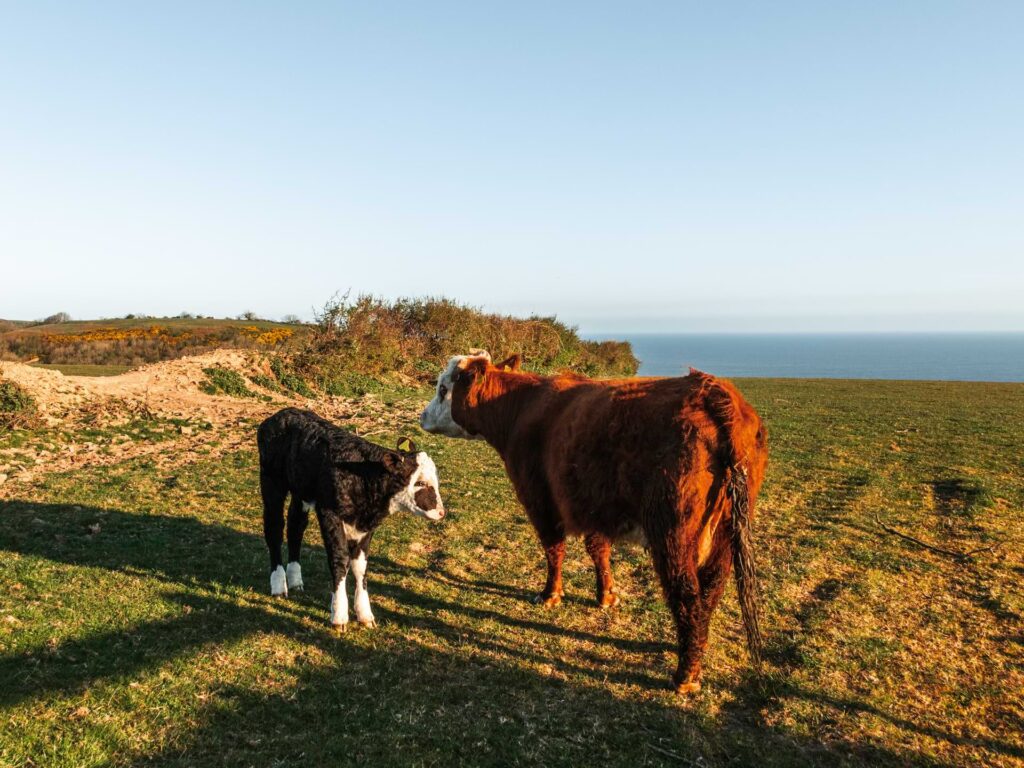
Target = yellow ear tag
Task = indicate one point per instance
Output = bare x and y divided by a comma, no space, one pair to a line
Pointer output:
404,444
507,368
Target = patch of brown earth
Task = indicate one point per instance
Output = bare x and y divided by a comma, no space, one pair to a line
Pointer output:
169,390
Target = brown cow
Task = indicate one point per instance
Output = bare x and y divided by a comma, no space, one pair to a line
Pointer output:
678,460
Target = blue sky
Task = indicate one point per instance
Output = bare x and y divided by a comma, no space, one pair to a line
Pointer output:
629,166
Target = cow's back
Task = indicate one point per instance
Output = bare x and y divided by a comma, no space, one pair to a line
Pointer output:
611,449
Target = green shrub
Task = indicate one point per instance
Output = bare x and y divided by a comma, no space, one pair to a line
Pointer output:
17,407
288,378
351,385
264,381
223,381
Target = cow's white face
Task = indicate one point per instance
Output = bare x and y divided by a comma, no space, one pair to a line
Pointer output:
437,416
422,496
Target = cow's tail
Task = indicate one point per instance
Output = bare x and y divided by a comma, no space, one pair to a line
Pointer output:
727,417
743,565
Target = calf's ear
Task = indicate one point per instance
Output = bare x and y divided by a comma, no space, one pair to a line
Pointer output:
406,445
513,363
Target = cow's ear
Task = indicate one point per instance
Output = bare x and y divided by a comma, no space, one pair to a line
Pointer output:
476,367
514,363
406,445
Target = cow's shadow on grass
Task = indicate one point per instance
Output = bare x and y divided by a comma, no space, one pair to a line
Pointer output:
435,692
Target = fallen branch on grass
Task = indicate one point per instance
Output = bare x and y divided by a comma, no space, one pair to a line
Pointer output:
948,552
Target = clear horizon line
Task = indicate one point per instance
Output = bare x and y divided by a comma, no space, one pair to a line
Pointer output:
875,332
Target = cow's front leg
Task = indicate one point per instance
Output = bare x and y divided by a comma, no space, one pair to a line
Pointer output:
359,552
333,534
554,552
599,547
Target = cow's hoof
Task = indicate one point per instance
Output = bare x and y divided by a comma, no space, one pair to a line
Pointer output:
609,600
368,623
339,628
688,688
548,601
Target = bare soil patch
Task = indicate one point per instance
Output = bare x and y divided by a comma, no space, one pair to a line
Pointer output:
193,423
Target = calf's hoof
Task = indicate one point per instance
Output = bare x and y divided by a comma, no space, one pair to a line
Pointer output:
340,628
548,601
294,577
278,582
369,623
609,600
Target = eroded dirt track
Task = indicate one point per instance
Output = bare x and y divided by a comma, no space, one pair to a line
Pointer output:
88,421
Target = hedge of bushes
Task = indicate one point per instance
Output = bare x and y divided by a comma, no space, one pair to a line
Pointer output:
372,337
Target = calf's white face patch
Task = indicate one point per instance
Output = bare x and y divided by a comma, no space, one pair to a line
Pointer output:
422,496
437,416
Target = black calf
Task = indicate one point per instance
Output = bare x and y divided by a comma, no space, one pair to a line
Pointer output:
350,483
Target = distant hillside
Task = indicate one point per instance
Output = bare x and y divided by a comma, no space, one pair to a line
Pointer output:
10,325
365,337
134,340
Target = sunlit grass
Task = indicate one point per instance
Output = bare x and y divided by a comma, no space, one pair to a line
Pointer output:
135,624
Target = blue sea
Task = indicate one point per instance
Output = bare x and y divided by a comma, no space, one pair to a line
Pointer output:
937,357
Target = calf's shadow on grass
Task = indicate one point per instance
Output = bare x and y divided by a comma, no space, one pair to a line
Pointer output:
398,700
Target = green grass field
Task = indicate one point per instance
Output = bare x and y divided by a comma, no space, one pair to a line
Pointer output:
136,625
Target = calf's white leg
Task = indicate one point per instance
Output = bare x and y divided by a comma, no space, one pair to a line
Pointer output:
363,612
339,605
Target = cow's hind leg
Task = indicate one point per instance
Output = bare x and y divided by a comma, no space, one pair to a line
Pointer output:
678,574
274,493
712,577
298,519
599,547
